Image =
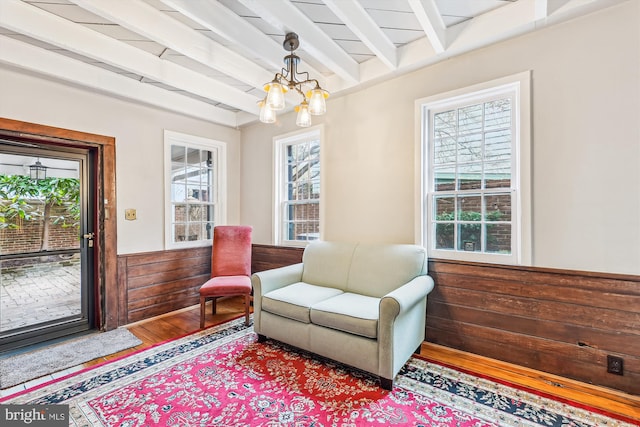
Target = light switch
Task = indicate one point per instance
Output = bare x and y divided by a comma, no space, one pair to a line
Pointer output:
130,214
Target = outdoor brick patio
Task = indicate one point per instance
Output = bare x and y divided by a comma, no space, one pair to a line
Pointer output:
32,294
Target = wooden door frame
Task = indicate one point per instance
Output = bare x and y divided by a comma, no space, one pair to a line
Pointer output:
106,260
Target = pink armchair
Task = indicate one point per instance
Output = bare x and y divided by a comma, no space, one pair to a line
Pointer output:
230,267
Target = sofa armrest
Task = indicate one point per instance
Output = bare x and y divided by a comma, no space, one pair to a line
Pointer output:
266,281
406,296
401,325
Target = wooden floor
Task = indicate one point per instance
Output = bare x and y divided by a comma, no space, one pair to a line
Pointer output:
179,323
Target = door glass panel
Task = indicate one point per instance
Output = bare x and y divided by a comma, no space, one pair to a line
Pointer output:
44,291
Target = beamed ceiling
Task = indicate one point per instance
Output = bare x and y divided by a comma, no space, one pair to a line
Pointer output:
210,59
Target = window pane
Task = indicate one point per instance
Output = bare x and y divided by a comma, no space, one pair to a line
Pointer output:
445,178
444,151
498,238
444,124
196,213
497,114
444,208
178,154
444,237
179,213
470,148
470,176
497,145
469,236
314,149
208,227
498,207
470,120
195,232
178,192
469,208
497,175
179,232
193,157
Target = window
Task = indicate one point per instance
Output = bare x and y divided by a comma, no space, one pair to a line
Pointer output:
297,188
475,193
194,187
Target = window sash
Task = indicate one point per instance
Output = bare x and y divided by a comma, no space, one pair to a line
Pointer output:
298,188
480,176
194,194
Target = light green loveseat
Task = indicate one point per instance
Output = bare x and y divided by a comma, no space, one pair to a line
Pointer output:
360,304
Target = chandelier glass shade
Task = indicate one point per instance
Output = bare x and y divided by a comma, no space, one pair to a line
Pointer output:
313,99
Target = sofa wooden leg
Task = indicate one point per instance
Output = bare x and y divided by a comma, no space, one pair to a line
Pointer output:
261,338
386,383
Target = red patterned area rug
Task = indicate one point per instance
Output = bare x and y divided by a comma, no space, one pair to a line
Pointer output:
223,377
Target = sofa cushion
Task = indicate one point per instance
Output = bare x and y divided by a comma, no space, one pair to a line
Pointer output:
377,269
327,263
293,301
356,314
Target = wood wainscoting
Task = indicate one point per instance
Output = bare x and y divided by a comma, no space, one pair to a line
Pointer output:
557,321
154,283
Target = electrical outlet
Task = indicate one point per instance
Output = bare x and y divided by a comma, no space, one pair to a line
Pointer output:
615,364
130,214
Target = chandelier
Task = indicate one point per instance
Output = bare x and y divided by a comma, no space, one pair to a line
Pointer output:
313,100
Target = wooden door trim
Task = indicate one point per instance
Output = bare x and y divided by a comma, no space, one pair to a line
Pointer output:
105,209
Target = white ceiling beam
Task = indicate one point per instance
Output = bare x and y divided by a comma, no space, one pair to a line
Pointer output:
216,17
41,25
53,65
430,19
360,22
286,17
144,19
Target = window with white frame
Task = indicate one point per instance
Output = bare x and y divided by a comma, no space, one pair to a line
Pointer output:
194,189
474,177
297,187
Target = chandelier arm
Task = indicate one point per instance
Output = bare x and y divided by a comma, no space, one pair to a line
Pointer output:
299,90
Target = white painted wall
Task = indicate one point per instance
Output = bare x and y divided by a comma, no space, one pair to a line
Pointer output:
138,131
586,145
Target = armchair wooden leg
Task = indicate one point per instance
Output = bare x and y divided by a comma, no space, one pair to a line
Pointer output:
203,301
247,304
214,305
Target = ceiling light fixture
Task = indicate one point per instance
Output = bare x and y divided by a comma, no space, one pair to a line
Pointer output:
313,100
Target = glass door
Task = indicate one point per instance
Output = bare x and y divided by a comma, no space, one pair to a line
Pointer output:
46,244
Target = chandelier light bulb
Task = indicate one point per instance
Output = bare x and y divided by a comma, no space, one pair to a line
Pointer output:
267,114
275,96
317,104
304,117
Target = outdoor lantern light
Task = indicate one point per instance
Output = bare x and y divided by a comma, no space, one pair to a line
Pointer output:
313,100
37,171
